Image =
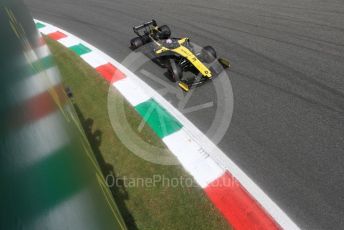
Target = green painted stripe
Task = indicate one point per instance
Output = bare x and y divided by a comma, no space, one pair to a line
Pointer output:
44,63
161,121
39,25
40,65
80,49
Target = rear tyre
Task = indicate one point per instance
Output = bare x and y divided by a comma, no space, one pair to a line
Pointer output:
136,43
164,32
208,54
175,71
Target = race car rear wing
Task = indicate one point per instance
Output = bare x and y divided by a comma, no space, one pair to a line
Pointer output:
145,26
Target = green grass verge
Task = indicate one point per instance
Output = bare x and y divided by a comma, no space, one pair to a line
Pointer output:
142,207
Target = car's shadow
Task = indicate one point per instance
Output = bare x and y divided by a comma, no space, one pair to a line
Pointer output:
118,191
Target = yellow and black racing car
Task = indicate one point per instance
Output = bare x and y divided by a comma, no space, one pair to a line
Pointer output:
178,55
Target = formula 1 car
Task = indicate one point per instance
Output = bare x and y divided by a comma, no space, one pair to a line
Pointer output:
178,55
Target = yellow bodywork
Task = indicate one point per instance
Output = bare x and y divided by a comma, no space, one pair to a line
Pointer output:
185,52
184,86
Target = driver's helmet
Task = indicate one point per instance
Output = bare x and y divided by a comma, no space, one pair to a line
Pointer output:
171,43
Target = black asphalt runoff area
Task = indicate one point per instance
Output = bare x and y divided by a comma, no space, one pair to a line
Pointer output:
287,56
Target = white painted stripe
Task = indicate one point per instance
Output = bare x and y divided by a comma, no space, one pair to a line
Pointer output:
93,59
219,157
69,41
42,51
199,165
38,53
182,147
208,171
38,140
36,84
48,29
131,91
69,209
36,20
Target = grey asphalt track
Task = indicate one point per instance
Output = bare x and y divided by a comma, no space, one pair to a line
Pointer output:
287,130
